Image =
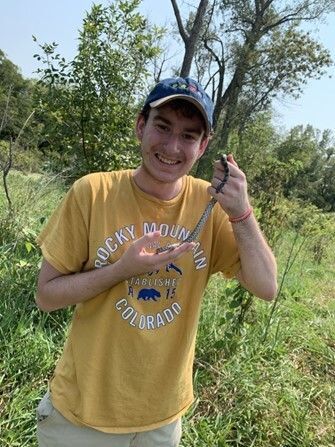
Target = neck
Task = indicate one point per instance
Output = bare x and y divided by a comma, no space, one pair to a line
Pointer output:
156,188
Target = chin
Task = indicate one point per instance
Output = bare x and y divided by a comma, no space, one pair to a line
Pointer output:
166,176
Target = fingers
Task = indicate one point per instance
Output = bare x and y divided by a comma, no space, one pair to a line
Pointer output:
233,166
141,256
149,240
147,245
234,170
174,251
235,185
233,194
167,257
230,159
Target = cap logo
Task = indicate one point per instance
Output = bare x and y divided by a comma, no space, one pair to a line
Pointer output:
183,86
174,87
179,85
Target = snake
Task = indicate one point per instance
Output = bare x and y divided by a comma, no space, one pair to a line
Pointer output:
203,219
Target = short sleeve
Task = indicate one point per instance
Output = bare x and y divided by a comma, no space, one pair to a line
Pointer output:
225,255
64,240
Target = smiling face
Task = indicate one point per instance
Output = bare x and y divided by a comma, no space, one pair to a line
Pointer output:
170,144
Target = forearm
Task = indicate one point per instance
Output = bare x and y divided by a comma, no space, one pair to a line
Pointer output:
56,290
258,271
68,290
258,265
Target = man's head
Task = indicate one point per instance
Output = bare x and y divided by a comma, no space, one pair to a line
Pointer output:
181,91
173,129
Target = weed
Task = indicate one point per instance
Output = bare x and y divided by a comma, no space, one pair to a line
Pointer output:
250,390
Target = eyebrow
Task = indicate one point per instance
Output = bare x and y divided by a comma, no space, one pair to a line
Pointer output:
166,121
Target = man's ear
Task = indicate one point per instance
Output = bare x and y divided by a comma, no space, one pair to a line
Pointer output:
203,146
140,124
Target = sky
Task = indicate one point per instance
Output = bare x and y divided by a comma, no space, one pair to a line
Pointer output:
60,20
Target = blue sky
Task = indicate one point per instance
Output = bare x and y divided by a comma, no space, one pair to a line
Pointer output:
59,20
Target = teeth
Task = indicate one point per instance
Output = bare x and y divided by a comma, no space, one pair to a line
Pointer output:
165,160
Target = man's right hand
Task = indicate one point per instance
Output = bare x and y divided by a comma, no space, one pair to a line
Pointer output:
56,290
140,258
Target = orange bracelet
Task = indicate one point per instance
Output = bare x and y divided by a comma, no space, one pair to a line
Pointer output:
241,218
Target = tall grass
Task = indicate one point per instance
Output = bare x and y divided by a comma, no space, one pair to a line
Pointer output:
276,391
29,340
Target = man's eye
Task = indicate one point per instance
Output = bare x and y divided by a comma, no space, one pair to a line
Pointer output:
162,128
188,137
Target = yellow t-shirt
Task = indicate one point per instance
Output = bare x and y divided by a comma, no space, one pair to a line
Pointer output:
127,362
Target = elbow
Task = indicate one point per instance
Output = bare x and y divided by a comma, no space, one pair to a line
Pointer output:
268,292
265,288
42,303
42,306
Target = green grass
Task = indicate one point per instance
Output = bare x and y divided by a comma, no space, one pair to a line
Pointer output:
29,340
256,388
274,392
279,392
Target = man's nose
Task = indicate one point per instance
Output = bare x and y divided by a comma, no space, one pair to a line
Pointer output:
172,142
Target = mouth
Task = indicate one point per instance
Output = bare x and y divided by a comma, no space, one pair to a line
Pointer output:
166,161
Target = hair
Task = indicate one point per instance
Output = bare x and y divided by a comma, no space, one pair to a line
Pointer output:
186,108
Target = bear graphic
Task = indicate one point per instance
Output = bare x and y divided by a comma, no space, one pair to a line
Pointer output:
148,294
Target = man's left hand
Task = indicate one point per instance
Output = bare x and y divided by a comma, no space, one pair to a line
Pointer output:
234,196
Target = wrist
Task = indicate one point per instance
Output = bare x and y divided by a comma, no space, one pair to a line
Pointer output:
242,217
118,272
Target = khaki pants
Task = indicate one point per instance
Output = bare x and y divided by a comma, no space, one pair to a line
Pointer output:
53,430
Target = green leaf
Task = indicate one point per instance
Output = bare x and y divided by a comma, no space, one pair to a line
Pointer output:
234,304
229,316
29,246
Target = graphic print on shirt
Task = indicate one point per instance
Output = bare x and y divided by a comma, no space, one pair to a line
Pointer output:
174,267
148,294
152,300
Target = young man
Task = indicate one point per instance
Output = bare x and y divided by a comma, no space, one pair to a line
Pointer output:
125,376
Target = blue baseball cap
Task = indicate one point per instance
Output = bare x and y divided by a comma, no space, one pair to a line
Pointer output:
183,88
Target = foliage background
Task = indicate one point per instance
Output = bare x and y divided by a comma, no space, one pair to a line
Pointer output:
264,373
264,379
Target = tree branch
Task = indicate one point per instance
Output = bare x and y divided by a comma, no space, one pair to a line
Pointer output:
215,56
5,171
7,166
199,17
181,28
291,17
4,116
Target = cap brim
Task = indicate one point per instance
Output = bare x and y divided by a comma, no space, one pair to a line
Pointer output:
160,102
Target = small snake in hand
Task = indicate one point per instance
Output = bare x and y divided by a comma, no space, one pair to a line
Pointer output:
195,233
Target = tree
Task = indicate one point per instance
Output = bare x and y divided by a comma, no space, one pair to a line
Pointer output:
256,50
89,104
297,165
190,37
15,98
314,153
